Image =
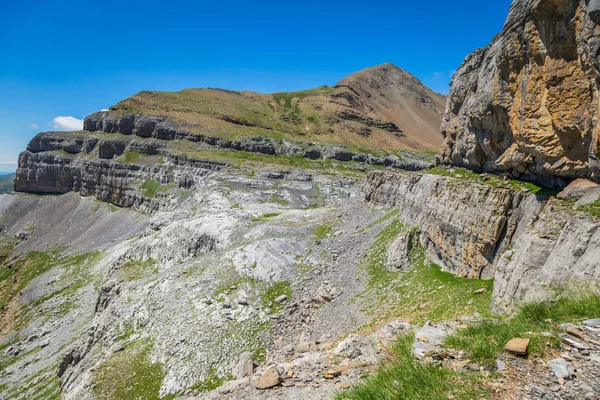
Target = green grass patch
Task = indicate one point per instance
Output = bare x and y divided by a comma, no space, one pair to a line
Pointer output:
490,180
133,270
151,188
323,231
272,291
129,375
140,158
212,382
405,378
423,292
29,267
486,339
277,199
592,209
239,159
265,217
259,355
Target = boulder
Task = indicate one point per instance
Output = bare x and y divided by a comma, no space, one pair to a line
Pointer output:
594,323
398,255
594,11
518,346
577,189
429,339
269,379
126,124
562,368
244,366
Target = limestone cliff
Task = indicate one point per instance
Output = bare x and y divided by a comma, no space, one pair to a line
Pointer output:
528,103
528,244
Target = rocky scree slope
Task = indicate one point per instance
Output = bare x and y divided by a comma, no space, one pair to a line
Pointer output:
528,103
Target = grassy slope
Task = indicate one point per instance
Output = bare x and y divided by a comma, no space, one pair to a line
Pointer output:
308,115
6,183
423,292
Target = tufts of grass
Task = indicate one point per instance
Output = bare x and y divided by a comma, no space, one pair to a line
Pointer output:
133,270
324,230
592,209
151,188
265,217
403,377
272,291
494,181
486,339
129,375
212,382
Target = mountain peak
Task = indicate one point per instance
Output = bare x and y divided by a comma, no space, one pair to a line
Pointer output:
382,75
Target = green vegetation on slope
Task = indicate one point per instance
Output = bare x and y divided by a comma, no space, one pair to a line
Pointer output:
15,278
423,292
405,378
151,188
490,180
486,339
140,158
133,270
129,375
6,183
592,209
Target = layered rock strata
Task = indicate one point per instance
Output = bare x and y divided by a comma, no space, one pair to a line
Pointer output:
96,163
530,246
528,103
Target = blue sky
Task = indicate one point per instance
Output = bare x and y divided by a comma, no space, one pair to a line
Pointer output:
70,58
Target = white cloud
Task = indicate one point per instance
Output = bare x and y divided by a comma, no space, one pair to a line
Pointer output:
436,75
61,123
34,126
8,166
104,109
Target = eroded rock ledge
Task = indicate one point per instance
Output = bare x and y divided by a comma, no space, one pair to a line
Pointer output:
528,103
530,246
147,126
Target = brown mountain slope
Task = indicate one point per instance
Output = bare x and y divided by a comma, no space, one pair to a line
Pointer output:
382,107
400,97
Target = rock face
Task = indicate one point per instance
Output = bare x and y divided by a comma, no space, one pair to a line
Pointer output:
528,103
528,245
95,164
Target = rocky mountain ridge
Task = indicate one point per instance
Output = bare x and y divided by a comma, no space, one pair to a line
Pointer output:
382,107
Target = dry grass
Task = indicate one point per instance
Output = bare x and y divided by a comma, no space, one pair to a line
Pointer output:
310,115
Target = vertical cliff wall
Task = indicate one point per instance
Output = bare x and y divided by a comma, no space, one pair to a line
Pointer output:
527,104
529,245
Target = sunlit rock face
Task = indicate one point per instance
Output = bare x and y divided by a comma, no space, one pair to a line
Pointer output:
527,104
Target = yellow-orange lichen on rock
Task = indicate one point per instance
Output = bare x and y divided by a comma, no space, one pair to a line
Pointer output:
528,103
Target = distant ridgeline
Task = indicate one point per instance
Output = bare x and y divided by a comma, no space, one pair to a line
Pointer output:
6,182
